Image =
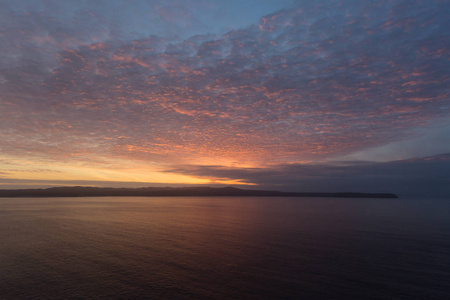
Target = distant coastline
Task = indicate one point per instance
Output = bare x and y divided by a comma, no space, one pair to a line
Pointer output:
80,191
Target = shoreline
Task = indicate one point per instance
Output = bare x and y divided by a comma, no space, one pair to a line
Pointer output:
79,191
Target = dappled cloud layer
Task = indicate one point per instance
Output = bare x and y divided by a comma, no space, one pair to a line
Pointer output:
316,80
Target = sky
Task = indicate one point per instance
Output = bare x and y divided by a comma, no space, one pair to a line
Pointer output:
314,96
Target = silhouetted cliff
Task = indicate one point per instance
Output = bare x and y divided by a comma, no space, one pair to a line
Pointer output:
79,191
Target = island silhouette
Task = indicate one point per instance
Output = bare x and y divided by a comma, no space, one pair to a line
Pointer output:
84,191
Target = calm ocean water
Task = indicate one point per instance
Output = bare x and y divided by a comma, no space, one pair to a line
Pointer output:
224,248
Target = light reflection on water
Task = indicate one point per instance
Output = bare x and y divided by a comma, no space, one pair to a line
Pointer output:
224,248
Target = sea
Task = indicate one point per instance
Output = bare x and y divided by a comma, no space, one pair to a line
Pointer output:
224,248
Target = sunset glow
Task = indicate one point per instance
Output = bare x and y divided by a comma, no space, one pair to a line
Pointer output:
149,93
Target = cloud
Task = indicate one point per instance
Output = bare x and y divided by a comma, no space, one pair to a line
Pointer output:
322,79
427,177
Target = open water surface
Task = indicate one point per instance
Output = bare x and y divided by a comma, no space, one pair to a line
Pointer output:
224,248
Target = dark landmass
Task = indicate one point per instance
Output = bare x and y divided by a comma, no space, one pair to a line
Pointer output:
79,191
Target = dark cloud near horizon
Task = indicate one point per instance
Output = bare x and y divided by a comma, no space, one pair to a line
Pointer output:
426,177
